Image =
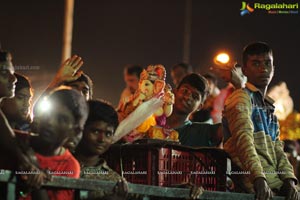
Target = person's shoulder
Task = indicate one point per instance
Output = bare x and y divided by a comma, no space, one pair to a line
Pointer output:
241,92
238,96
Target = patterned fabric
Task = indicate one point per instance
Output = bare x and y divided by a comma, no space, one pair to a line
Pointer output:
263,117
251,135
102,172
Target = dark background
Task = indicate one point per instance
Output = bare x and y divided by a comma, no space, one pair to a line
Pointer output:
109,34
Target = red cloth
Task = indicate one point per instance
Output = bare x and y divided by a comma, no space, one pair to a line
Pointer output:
62,165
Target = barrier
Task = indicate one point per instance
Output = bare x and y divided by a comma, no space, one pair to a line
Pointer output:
147,191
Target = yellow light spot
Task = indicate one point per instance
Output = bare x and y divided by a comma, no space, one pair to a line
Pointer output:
222,58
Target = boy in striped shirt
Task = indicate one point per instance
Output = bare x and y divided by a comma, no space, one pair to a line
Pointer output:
251,133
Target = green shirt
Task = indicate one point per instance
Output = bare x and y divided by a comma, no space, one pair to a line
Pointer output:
197,134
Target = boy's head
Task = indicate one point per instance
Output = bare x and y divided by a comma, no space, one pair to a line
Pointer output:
84,85
178,71
99,128
258,64
62,121
190,93
17,109
7,78
132,76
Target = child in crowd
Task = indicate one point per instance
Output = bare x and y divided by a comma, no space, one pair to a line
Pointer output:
62,121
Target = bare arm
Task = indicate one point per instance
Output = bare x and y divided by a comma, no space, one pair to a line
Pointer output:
67,72
8,141
9,145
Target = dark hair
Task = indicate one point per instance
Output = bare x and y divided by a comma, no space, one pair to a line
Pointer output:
211,77
84,78
255,48
22,82
74,101
102,110
187,68
5,56
134,70
197,81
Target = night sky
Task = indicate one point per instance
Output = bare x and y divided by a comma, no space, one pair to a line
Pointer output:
109,34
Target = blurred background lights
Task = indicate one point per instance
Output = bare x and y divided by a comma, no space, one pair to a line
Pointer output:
222,58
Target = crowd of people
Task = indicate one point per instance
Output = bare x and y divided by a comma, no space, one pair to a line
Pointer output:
70,129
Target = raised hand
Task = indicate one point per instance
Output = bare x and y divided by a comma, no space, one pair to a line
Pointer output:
69,70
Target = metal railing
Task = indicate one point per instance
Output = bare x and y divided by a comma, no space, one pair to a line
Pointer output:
147,191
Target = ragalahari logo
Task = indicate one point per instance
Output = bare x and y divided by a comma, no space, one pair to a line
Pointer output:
246,9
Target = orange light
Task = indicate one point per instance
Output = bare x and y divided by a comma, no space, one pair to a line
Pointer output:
222,61
222,58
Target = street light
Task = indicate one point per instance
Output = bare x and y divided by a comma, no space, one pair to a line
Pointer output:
222,60
228,70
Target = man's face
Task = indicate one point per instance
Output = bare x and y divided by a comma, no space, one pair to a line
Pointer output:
187,99
177,75
132,82
7,80
18,108
55,127
97,137
82,87
259,69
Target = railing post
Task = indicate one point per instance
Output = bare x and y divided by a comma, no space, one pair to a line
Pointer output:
11,191
146,198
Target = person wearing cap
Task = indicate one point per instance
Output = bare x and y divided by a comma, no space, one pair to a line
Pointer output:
189,96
